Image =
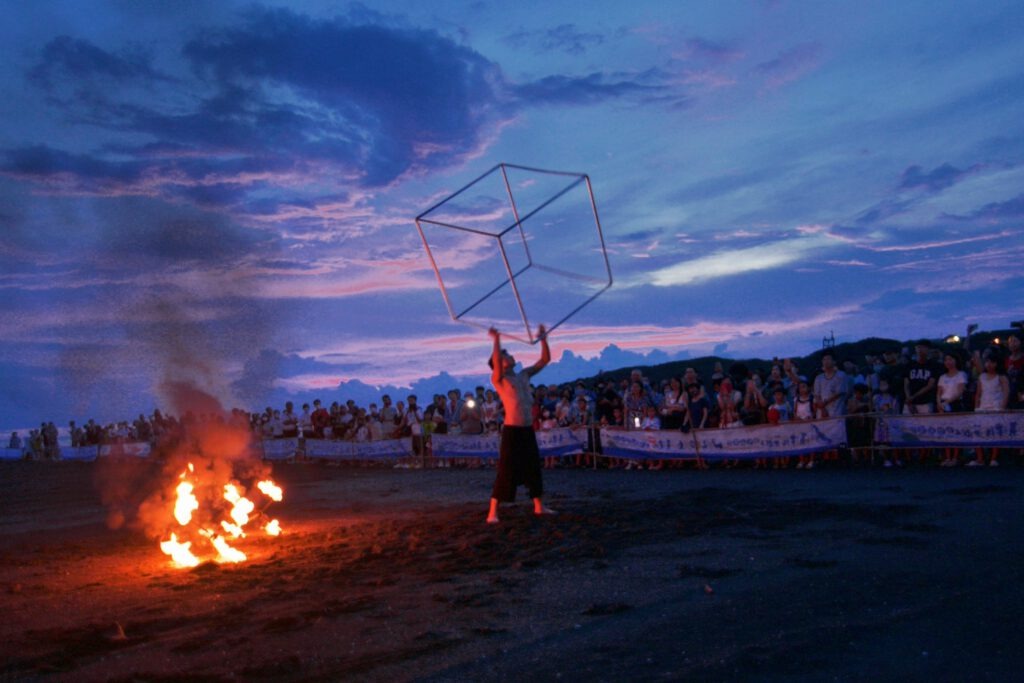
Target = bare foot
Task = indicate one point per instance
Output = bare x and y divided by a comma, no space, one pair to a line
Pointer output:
493,519
544,511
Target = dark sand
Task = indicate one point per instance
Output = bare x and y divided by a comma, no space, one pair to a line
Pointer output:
391,575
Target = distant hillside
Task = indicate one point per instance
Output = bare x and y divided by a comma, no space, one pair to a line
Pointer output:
808,365
570,368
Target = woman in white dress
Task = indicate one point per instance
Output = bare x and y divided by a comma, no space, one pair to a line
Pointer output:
993,393
951,386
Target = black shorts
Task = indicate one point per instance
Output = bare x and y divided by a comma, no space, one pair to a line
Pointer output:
518,463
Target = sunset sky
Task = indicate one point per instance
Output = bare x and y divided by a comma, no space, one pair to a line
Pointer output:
225,192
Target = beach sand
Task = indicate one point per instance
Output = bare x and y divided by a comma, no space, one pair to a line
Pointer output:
836,574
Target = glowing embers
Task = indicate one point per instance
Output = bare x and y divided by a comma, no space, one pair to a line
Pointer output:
209,513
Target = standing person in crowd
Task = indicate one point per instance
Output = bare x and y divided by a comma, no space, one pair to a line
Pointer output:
492,411
471,416
698,408
779,412
563,411
15,441
277,425
582,416
1015,373
718,372
920,381
792,378
637,401
775,377
452,408
673,404
803,410
399,417
412,425
519,456
690,376
754,404
829,390
388,417
729,402
290,421
885,404
993,395
376,428
320,419
698,412
892,371
607,400
951,385
438,414
306,422
858,424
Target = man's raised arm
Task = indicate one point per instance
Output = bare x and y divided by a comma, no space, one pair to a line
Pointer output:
545,352
496,364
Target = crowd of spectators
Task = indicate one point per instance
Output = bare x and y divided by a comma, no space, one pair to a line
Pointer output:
927,379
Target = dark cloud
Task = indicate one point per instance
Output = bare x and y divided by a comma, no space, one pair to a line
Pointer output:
562,38
937,179
1011,208
274,91
639,236
42,162
884,210
69,59
260,373
591,89
383,90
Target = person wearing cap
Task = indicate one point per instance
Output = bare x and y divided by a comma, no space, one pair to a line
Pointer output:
921,379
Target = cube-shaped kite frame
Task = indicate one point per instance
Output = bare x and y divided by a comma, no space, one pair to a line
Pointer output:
511,275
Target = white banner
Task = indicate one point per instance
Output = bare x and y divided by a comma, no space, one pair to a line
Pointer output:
134,449
279,449
789,438
985,430
552,442
351,450
766,441
465,445
656,444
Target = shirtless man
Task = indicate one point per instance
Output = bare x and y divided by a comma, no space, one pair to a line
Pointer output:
519,456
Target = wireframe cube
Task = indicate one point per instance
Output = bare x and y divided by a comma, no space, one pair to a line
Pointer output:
517,247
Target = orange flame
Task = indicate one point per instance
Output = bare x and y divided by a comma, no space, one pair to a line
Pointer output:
179,552
271,490
187,504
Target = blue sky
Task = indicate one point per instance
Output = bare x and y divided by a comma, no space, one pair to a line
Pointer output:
224,193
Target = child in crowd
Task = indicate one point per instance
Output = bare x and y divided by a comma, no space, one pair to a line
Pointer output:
803,409
993,395
651,421
779,412
885,403
547,423
858,424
